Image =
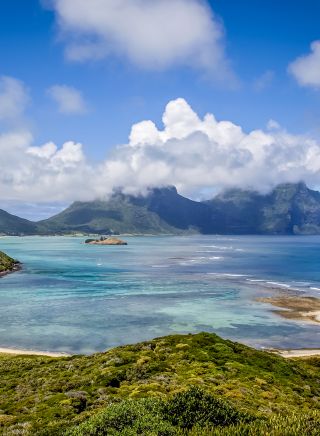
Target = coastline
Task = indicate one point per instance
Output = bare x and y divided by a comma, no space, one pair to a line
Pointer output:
17,267
286,353
295,307
289,354
17,351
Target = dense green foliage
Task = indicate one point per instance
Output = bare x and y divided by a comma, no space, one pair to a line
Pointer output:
6,262
288,209
42,395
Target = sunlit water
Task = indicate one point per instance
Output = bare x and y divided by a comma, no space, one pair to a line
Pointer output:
78,298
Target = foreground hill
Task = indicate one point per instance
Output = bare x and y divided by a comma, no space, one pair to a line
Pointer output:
13,225
200,384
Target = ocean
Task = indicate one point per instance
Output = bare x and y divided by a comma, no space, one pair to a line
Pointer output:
77,298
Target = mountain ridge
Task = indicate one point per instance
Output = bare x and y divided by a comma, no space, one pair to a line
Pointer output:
288,209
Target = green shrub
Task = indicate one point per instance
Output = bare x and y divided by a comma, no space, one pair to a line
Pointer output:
126,418
195,406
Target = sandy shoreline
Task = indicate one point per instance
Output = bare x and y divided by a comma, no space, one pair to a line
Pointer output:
31,352
297,353
296,307
280,352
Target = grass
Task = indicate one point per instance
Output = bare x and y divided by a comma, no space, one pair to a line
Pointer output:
181,384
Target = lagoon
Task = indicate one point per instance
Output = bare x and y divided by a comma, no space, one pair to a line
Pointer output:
74,298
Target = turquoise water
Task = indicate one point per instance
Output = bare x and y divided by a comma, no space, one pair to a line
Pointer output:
77,298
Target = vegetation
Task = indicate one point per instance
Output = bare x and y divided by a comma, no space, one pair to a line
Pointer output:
181,384
6,263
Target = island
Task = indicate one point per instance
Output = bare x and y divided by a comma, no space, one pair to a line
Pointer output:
7,264
106,241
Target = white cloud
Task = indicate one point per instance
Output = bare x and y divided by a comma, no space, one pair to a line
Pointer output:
68,99
13,98
195,154
154,35
306,69
264,81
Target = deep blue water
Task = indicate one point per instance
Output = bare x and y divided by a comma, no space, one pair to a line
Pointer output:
77,298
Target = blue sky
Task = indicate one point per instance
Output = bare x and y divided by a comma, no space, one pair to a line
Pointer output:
261,39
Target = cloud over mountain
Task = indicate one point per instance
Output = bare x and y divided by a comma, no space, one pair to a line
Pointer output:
197,155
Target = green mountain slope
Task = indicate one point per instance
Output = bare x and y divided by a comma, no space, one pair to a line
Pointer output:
235,385
288,209
163,211
13,225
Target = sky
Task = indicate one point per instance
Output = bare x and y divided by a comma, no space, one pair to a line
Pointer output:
204,95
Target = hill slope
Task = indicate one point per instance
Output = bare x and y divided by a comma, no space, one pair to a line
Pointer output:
288,209
13,225
6,263
41,395
163,211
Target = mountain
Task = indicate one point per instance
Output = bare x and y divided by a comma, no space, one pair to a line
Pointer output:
13,225
162,211
288,209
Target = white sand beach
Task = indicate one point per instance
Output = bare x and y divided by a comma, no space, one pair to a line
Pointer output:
31,352
298,353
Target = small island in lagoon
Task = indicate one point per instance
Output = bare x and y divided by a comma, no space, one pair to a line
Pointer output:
105,241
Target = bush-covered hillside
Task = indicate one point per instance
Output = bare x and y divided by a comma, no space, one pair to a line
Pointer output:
199,384
6,262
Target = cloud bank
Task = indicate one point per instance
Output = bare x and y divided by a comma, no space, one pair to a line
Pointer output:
197,155
69,99
152,35
306,69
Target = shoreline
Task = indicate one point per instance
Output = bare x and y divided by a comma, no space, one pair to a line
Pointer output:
291,353
285,353
294,307
17,267
19,352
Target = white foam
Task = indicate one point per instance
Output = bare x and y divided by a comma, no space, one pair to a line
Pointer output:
282,285
314,289
159,266
227,275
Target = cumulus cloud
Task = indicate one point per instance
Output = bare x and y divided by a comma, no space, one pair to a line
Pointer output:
13,98
206,154
306,69
68,99
195,154
154,35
